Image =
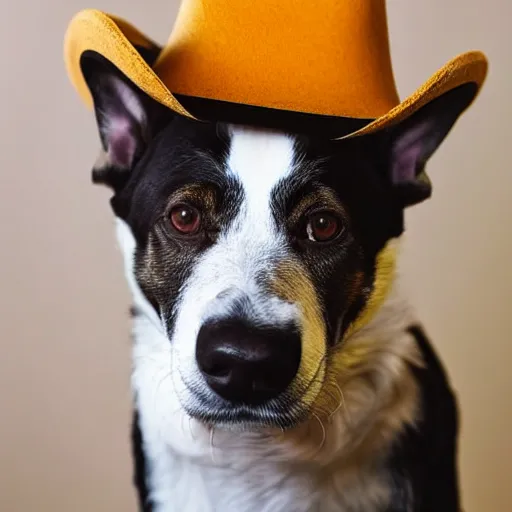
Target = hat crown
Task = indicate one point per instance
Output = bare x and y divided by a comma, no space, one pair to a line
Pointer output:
326,57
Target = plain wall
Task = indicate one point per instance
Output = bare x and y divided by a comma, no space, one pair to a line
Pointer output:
64,328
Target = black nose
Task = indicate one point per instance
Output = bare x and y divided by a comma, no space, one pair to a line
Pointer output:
247,364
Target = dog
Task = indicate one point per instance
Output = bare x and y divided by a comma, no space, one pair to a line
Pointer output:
251,253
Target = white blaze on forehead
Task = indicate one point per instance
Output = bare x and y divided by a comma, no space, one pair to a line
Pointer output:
259,160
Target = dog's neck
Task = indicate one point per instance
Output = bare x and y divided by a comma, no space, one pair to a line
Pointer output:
376,399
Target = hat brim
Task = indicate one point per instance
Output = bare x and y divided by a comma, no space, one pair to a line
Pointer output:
122,44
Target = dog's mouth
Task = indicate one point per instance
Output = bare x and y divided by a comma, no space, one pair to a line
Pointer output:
284,412
243,417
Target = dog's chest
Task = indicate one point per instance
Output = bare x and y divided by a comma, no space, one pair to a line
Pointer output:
182,484
203,489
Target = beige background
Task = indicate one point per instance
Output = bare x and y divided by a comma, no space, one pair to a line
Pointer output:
64,331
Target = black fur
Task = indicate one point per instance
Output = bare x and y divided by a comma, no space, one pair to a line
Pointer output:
140,465
424,462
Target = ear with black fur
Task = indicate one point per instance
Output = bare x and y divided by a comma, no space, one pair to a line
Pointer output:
127,120
413,141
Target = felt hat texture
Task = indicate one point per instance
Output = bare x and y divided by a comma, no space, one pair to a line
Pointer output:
329,58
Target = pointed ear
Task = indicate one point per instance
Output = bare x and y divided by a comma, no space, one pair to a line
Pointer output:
126,117
413,141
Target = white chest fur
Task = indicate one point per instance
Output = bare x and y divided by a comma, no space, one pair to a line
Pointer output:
185,485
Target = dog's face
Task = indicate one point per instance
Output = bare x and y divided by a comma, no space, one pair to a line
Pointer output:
256,250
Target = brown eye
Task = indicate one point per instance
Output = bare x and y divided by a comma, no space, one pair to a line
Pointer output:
323,227
185,219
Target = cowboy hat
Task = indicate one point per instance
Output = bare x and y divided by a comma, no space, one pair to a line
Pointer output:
329,59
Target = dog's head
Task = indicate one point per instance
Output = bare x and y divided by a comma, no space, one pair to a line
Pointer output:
256,250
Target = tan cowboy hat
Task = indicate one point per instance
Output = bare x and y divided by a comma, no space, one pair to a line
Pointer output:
329,57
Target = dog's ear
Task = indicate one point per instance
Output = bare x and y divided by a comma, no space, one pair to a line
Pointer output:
410,143
127,120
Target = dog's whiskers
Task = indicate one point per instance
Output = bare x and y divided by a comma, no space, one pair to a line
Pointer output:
342,403
324,434
281,435
190,428
212,430
146,357
182,422
344,411
157,390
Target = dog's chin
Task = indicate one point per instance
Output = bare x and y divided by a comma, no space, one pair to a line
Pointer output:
249,419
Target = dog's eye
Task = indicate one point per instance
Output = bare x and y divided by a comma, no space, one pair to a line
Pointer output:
185,219
323,227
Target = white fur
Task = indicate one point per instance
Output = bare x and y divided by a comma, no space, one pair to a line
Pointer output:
193,468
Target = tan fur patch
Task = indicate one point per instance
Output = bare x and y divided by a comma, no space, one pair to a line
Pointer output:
292,284
384,277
